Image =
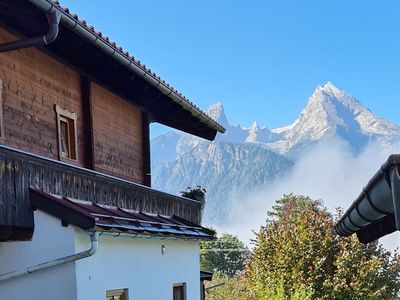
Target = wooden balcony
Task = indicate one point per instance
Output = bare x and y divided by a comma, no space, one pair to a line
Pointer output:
20,170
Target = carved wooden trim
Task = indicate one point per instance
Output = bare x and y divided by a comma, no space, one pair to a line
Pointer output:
21,170
72,116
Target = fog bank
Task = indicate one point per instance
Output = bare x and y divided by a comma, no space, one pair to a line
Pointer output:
329,171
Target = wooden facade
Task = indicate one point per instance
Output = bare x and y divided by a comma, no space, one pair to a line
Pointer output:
117,135
35,82
112,164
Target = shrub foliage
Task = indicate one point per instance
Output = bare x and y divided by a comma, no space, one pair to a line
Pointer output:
298,254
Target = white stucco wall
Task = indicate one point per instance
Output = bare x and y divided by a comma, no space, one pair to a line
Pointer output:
120,262
138,264
50,241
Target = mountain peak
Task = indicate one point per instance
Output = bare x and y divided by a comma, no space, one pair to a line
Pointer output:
330,89
217,113
329,85
216,106
255,126
331,93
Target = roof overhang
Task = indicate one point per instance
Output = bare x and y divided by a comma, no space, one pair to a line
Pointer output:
204,275
103,60
110,219
376,211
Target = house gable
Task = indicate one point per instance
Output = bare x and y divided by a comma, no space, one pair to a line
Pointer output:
104,60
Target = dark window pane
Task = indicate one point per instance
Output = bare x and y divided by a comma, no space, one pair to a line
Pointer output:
64,137
179,293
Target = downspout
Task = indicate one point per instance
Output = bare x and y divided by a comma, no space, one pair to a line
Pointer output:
53,17
57,262
214,286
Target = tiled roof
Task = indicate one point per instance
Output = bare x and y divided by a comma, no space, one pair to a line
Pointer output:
104,218
148,72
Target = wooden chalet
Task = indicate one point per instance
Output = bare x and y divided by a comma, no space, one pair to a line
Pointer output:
75,115
75,110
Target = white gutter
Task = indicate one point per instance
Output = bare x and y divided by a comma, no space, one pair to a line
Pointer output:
57,262
124,59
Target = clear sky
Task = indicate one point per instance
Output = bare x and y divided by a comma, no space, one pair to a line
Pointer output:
261,59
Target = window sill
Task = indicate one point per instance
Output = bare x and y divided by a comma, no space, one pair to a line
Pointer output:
69,160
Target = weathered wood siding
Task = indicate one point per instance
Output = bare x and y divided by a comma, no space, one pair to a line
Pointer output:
117,135
33,83
19,170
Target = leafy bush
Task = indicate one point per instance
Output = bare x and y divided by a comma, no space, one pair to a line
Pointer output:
226,255
298,255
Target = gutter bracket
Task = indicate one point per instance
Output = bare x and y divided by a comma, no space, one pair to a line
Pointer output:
53,17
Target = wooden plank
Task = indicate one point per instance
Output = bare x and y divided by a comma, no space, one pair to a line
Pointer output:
146,149
87,112
1,111
19,171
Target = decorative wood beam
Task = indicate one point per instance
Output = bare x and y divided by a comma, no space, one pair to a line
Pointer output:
87,120
146,149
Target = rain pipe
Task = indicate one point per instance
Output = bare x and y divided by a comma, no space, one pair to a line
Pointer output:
57,262
214,286
124,59
53,17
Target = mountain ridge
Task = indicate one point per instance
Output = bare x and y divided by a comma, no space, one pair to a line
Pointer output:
243,159
330,112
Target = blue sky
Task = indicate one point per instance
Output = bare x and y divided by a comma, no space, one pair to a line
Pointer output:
261,59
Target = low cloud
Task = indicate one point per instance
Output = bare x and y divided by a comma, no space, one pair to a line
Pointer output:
329,171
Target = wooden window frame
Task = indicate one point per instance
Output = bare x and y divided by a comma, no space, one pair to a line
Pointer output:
183,286
2,135
68,117
117,293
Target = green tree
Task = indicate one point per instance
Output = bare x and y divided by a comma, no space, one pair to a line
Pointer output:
298,253
226,255
237,288
364,271
233,288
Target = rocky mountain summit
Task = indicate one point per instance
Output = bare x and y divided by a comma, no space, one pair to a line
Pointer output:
333,113
243,159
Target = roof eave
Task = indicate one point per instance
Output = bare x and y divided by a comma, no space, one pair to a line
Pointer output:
124,59
376,211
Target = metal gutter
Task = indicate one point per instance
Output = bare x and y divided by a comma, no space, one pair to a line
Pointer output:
57,262
124,59
371,214
53,17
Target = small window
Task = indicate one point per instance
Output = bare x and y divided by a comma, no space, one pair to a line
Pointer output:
67,141
179,291
120,294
